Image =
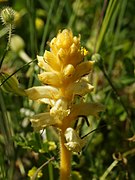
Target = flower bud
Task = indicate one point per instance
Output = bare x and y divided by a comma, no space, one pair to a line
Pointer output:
11,84
7,16
98,60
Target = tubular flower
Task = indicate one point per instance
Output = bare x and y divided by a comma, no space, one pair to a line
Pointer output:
64,76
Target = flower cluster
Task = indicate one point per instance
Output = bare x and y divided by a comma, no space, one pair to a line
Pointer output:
64,76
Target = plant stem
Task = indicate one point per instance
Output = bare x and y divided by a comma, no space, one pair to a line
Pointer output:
109,169
121,9
115,162
46,28
8,44
65,159
110,9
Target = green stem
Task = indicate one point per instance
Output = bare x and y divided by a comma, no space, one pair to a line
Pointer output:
121,11
115,91
46,28
50,168
115,162
8,44
109,169
73,16
108,15
32,29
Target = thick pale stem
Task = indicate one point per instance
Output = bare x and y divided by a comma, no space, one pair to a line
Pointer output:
65,159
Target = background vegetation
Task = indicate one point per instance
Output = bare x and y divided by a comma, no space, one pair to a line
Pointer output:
107,28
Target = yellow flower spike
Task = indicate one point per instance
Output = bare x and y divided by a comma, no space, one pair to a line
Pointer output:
53,46
64,75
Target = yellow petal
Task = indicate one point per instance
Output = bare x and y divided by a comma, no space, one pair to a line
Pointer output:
76,40
68,71
39,92
82,69
79,88
52,60
86,109
50,78
74,56
43,64
64,39
61,53
53,47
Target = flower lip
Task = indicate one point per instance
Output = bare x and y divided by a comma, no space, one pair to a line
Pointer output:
40,92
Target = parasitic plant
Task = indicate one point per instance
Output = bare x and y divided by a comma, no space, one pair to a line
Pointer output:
64,77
